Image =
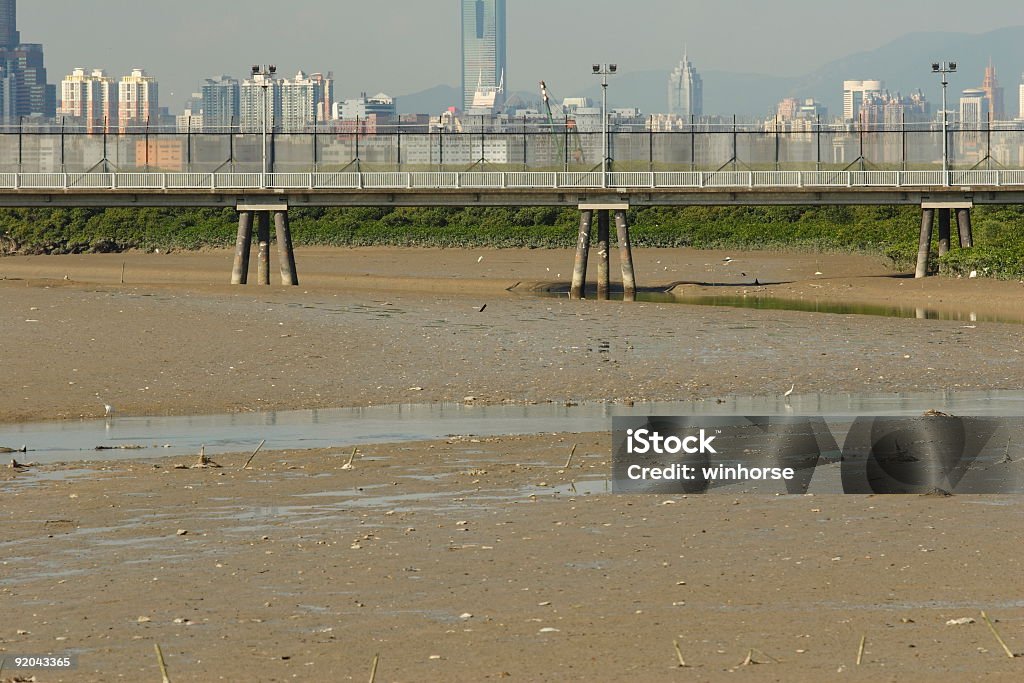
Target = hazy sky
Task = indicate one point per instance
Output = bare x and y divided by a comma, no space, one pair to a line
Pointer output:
401,46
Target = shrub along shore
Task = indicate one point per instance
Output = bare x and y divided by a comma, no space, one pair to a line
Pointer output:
890,231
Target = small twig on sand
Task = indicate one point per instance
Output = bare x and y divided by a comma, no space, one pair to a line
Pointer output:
258,448
679,654
348,465
163,665
1006,649
373,671
750,657
122,272
860,650
572,453
1007,460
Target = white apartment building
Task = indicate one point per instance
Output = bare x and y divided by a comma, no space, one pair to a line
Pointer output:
138,98
89,99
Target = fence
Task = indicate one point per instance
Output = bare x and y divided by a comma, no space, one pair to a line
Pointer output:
701,148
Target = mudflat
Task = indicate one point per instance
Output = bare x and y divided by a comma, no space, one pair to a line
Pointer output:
485,558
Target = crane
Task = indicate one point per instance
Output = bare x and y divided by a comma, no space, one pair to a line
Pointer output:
577,151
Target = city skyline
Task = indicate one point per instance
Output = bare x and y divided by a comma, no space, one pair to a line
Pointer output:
546,41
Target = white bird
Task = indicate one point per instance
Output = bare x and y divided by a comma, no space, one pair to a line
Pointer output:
108,410
790,392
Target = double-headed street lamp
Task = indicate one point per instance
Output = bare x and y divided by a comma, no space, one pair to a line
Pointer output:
266,75
944,68
604,71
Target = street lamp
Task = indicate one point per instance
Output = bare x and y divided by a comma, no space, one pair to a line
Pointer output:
266,78
944,68
604,71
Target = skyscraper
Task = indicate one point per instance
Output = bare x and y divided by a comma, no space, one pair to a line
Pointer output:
993,93
9,38
89,99
222,107
23,87
854,93
685,90
484,49
138,101
1020,112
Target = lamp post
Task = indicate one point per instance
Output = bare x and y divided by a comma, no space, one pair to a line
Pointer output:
266,77
944,69
604,71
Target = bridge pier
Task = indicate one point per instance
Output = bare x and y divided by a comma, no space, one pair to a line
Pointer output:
944,227
924,248
626,256
258,212
604,210
963,222
263,248
285,251
243,245
603,260
579,270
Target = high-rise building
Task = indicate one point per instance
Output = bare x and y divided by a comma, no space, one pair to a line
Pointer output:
484,48
974,109
854,93
89,99
9,38
138,101
260,98
290,106
685,91
380,105
993,93
1020,108
23,87
222,108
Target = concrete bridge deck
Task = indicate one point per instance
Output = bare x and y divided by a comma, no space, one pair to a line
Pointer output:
525,188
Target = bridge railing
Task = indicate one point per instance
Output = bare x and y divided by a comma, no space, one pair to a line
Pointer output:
451,181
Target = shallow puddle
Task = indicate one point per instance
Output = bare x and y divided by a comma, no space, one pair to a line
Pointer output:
344,428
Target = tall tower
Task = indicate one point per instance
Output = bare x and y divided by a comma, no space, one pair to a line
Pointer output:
484,48
993,93
685,90
9,37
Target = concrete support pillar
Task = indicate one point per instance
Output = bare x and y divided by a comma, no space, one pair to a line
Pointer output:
963,222
285,251
243,244
924,248
579,270
945,220
603,249
626,256
263,248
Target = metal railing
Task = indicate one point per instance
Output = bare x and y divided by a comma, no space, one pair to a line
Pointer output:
449,181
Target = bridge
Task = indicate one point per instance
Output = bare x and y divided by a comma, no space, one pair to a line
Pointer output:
512,188
258,196
340,165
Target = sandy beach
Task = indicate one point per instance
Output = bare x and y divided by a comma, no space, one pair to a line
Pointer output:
475,558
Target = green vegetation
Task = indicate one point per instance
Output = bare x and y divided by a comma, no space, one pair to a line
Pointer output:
892,231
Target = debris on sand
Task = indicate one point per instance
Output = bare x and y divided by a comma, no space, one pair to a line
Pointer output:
937,493
962,621
937,413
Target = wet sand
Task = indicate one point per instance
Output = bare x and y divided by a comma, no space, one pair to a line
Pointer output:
299,569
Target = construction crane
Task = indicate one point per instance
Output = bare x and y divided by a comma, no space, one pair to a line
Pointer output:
577,148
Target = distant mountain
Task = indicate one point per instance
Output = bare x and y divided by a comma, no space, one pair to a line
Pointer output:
431,101
904,65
